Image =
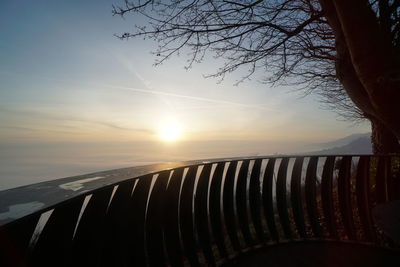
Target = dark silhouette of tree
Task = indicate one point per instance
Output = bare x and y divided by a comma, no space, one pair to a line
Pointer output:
345,51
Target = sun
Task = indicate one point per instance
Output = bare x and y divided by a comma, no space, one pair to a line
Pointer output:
170,131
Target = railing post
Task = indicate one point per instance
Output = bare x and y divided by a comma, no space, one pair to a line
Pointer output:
268,199
228,202
327,196
363,197
186,221
201,214
171,228
296,199
241,203
255,199
281,196
344,193
311,196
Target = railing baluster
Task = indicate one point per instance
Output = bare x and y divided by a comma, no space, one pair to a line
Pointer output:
116,243
295,196
268,199
394,193
363,197
154,221
172,239
186,216
255,199
14,241
311,196
179,220
281,198
91,232
215,209
201,214
55,241
241,203
137,215
327,196
229,214
382,176
345,198
390,185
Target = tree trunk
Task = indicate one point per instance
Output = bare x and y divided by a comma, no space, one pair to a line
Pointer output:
368,69
383,140
347,76
374,59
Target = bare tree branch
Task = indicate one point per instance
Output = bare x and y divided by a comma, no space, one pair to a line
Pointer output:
291,41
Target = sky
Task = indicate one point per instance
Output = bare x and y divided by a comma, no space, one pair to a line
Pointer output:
74,99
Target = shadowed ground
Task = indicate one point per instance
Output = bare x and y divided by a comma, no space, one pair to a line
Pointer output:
318,253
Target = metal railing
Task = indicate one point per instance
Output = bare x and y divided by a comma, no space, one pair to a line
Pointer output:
206,213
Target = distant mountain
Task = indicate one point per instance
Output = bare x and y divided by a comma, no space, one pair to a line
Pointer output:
343,141
360,145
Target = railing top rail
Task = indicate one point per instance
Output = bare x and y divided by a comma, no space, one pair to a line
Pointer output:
21,201
18,202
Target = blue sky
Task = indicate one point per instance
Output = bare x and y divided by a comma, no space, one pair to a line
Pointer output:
66,79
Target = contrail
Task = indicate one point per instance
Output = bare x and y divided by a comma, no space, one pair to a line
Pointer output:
197,98
150,90
153,92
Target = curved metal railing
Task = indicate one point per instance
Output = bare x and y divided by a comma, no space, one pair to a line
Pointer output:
208,213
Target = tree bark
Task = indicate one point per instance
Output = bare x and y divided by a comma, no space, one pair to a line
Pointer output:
348,78
374,59
367,67
383,140
345,71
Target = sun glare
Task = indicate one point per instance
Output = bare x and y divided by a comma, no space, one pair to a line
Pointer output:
170,132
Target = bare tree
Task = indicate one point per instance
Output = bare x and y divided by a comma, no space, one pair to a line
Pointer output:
345,51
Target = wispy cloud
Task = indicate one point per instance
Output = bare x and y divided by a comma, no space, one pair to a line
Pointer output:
115,126
58,117
34,129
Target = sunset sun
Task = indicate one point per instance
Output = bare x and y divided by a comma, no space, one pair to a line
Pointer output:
170,131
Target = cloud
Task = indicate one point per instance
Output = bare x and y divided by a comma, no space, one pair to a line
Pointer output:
58,117
33,129
115,126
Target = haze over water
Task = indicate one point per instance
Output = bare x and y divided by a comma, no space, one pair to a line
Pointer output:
21,165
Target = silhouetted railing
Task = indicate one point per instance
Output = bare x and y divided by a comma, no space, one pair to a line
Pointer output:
208,213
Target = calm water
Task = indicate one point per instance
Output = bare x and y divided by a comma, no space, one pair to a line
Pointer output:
32,163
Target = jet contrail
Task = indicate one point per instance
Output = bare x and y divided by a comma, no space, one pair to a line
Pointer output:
152,91
204,99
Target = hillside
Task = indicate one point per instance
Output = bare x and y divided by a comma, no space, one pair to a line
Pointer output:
354,144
